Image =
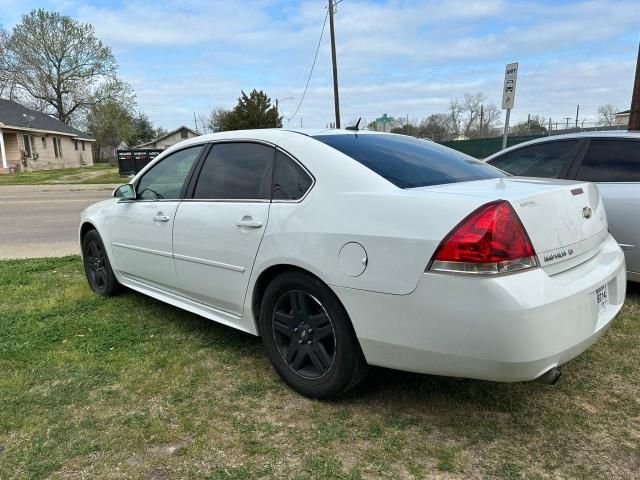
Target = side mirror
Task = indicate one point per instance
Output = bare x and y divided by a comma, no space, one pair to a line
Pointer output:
125,192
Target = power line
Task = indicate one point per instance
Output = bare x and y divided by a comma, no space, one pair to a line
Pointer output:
312,67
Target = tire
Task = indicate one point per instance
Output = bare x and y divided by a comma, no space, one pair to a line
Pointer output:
97,267
309,338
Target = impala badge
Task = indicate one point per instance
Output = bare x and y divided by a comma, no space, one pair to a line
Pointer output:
587,212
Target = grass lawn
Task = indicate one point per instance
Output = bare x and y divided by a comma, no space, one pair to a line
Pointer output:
98,173
131,388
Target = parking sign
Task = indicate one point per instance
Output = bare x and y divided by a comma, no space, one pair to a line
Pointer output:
509,91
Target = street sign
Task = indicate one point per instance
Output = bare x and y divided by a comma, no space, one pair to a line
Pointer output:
509,90
385,119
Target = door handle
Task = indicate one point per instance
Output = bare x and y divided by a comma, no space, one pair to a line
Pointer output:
161,218
249,223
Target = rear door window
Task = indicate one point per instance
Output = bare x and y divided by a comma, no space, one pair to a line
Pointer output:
236,171
545,160
409,162
611,161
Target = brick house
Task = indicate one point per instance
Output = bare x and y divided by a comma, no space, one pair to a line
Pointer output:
31,140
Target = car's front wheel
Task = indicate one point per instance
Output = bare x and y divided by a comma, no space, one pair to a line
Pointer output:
100,276
309,337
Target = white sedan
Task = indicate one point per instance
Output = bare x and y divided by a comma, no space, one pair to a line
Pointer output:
345,249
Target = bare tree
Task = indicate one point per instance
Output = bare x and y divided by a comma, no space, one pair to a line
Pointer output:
607,114
60,66
491,115
455,114
216,119
6,79
471,106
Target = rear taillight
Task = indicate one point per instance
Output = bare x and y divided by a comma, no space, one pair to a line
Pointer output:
490,240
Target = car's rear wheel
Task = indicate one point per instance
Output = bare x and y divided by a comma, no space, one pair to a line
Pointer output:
100,276
309,337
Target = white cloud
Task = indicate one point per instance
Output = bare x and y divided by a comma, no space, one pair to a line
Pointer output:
395,56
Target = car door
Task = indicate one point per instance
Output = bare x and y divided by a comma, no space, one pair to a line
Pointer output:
614,164
218,230
549,159
141,229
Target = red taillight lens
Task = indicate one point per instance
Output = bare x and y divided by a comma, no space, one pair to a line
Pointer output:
490,240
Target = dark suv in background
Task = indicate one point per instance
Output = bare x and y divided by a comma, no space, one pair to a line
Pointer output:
610,159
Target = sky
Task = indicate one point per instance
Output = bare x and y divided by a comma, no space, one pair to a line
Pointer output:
400,57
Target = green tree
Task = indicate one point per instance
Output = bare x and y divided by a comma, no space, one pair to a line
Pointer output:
142,130
252,111
436,126
58,65
109,123
535,126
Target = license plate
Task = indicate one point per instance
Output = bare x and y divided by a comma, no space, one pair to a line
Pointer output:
602,298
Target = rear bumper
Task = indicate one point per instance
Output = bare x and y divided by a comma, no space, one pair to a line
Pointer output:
508,328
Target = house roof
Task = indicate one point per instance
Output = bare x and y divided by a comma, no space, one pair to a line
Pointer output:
14,115
155,140
623,112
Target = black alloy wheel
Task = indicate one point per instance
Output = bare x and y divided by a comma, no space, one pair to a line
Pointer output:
304,334
100,276
309,337
95,260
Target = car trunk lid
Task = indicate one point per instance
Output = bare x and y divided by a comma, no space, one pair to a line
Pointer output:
565,220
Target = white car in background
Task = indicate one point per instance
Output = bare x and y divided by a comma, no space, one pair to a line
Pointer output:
344,249
611,159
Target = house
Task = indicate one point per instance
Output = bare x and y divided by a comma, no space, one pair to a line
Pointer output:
170,138
622,118
31,140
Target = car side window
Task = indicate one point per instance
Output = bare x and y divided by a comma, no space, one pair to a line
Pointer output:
542,160
611,161
164,180
290,181
236,171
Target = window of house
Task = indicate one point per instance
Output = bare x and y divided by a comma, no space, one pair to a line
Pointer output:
240,171
184,134
26,140
83,145
44,143
75,144
57,147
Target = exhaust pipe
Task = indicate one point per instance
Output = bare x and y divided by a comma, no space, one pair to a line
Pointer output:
550,377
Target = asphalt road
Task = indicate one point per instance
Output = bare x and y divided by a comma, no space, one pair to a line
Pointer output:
42,220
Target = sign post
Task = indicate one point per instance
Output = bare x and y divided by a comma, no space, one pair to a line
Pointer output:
508,96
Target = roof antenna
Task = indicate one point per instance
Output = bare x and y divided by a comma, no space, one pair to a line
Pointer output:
355,127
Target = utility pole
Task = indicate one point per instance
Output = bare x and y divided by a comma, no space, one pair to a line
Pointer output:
549,126
481,118
577,113
336,100
567,119
634,117
528,124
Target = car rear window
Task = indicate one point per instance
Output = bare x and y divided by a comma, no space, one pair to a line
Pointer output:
409,162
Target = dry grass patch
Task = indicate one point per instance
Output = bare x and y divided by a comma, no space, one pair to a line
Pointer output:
131,388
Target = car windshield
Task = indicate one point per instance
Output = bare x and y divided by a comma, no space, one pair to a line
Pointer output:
409,162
